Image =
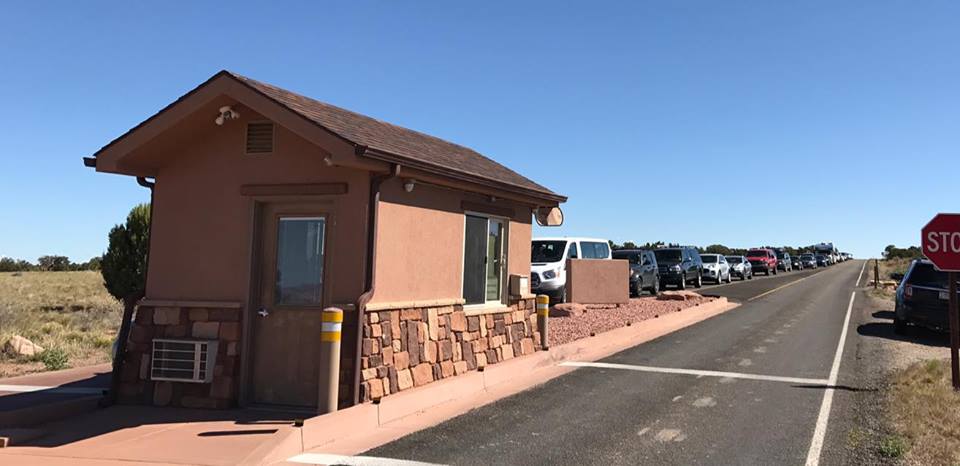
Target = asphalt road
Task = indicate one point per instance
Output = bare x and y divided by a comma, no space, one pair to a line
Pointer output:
775,354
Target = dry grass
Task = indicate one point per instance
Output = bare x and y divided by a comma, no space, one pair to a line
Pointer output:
926,412
69,311
887,267
893,265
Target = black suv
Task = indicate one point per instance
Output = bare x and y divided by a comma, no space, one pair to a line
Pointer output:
644,275
796,262
679,266
922,297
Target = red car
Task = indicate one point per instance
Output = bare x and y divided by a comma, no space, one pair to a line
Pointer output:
763,260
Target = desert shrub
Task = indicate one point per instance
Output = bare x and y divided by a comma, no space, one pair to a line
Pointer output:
101,341
893,447
52,327
54,359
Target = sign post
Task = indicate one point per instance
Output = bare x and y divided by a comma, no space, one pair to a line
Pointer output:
940,242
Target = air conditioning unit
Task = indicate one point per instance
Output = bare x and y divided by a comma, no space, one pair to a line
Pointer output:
183,360
519,286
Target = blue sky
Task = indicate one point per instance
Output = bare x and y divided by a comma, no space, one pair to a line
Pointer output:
739,123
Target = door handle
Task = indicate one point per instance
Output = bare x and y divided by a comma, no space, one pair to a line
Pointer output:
263,312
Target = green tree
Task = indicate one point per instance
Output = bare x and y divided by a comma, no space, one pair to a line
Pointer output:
24,266
8,265
54,263
718,249
124,265
92,264
893,252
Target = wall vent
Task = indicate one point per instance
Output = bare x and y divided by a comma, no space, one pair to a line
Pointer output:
260,137
183,360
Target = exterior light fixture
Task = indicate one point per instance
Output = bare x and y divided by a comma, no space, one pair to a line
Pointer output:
227,113
409,184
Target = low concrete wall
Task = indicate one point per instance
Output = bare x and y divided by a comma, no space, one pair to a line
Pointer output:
598,281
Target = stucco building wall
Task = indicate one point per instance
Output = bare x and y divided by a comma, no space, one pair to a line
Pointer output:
419,254
203,225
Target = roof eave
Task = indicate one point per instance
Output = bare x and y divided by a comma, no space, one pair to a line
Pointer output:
462,176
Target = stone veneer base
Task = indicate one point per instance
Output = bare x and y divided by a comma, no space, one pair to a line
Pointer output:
411,347
215,323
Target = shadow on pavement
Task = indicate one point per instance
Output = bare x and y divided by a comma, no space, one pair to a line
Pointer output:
225,433
18,409
845,388
883,315
123,417
918,335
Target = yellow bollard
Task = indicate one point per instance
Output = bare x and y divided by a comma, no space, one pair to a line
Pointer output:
330,328
543,314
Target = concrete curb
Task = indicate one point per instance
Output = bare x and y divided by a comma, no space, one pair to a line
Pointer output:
34,415
365,426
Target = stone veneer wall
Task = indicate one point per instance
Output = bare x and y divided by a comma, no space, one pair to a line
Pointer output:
151,322
405,348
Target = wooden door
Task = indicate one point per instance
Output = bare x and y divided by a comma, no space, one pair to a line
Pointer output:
286,324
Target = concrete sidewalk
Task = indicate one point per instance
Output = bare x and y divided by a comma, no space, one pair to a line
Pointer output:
33,399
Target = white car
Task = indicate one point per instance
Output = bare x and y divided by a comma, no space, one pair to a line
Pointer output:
548,262
716,268
741,267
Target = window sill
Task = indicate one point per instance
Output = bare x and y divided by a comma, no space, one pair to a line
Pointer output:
484,309
185,303
394,305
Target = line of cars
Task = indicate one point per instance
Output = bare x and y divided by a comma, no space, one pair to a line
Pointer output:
674,266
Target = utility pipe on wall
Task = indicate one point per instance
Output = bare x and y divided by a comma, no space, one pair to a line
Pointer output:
129,305
370,285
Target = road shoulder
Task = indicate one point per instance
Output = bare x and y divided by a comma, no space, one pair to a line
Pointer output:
862,420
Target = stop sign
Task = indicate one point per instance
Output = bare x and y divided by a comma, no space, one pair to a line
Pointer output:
940,242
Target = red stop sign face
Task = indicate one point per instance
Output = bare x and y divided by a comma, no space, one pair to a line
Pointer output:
940,242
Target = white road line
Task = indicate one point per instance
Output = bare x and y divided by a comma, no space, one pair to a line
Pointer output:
700,373
819,433
781,287
323,458
861,271
758,279
60,390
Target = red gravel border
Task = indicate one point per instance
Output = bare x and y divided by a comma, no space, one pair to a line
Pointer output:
569,322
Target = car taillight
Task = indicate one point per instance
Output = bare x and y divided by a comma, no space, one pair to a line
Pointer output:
908,291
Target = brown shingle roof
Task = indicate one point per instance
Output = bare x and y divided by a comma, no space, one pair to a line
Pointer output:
395,140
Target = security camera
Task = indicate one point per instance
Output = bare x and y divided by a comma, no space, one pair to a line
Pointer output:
226,113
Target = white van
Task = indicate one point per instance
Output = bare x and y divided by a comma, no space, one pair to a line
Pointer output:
548,262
